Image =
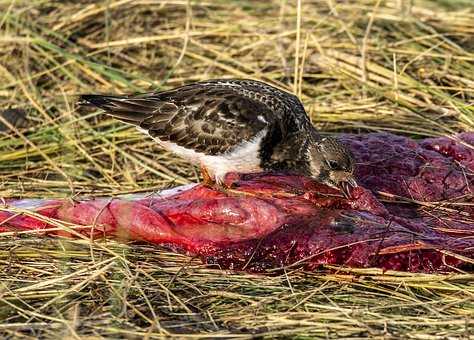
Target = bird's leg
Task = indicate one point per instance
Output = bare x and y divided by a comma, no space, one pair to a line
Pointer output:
219,184
214,183
207,180
227,186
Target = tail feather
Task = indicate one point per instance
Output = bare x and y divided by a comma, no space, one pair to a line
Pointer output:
128,109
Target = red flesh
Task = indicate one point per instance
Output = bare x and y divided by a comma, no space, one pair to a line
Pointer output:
275,220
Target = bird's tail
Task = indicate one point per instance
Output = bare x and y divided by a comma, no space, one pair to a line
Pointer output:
129,109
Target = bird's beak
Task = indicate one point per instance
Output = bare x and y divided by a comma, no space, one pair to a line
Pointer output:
345,186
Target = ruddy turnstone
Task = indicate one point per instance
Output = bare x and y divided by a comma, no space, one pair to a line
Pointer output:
234,125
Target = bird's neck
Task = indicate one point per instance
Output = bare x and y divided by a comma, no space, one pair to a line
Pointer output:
313,134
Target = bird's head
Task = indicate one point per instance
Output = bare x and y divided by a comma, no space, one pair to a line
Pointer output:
332,163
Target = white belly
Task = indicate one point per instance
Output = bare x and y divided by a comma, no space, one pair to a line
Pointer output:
244,158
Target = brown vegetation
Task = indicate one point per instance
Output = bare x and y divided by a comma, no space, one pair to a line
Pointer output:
401,66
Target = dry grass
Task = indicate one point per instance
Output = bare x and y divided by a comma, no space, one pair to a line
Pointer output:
400,66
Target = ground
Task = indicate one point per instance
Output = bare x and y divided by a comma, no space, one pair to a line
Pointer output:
400,66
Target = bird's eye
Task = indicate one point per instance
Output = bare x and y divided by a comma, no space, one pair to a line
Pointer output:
333,164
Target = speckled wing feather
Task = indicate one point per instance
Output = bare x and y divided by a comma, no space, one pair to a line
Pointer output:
209,117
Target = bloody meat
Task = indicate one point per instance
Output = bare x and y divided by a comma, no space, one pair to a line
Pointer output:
412,212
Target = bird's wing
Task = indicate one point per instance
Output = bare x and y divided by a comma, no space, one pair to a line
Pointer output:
206,117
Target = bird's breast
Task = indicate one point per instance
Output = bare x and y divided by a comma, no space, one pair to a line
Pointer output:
243,157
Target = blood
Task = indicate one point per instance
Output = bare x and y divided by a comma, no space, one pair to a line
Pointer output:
399,218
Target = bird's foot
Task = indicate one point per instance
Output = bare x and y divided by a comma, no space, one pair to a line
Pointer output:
221,185
228,188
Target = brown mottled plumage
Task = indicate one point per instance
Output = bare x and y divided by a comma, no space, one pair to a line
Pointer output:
234,125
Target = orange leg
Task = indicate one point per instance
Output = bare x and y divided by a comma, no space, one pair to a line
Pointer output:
206,178
227,189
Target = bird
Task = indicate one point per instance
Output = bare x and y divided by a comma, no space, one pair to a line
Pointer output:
234,125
